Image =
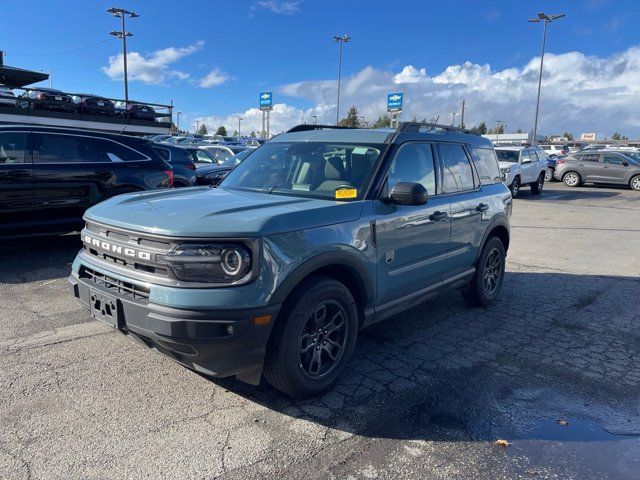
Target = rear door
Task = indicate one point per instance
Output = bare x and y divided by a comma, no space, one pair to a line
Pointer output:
16,179
412,240
589,167
461,188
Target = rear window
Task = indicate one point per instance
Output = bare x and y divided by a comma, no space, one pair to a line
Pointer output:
487,165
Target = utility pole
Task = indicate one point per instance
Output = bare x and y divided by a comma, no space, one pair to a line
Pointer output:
499,123
453,118
315,119
545,19
122,13
342,40
195,130
462,115
178,125
239,120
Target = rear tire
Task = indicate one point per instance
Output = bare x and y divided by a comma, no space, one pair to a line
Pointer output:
536,188
486,284
515,187
548,175
572,179
635,183
313,339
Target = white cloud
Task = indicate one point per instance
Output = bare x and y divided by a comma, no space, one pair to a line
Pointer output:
279,7
152,68
214,78
580,93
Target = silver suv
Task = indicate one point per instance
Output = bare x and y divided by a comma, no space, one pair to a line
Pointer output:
600,167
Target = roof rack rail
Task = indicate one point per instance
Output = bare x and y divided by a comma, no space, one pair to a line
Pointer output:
416,126
305,127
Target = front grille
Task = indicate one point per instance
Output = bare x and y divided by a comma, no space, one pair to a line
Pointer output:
115,286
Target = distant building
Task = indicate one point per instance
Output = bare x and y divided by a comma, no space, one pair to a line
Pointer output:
512,138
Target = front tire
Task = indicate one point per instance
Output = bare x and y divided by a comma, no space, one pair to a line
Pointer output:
486,284
548,175
313,340
515,187
572,179
536,188
635,183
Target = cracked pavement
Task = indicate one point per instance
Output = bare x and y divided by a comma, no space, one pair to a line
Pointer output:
426,394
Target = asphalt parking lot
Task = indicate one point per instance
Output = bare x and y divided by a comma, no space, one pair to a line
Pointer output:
553,368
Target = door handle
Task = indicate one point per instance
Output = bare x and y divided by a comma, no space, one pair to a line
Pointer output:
20,173
483,207
437,216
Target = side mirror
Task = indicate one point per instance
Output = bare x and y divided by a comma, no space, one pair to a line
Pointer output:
526,160
408,193
625,164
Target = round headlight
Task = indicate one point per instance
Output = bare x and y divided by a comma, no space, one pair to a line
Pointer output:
231,262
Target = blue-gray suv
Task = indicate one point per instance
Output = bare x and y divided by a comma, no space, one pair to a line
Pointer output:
320,232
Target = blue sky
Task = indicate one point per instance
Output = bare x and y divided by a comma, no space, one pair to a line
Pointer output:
245,47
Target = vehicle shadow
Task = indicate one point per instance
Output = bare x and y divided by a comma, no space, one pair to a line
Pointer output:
446,372
37,258
565,194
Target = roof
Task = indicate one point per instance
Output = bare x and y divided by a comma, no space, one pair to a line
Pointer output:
71,130
514,148
346,135
18,77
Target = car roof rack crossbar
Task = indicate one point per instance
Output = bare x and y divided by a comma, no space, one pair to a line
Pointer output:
418,126
306,127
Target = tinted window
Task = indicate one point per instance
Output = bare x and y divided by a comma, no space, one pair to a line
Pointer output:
413,163
487,165
115,152
588,158
163,152
12,147
507,155
612,159
58,148
456,169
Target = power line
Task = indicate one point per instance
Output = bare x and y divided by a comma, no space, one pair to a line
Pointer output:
59,53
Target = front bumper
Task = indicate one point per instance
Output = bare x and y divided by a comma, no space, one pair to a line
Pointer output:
215,342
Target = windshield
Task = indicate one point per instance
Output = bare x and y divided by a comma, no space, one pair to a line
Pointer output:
237,158
507,156
335,171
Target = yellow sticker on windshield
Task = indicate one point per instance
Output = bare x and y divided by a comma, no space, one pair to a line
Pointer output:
346,193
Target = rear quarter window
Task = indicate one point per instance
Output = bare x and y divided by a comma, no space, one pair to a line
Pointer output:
486,164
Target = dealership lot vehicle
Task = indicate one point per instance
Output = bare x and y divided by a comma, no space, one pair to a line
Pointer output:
136,111
223,152
184,168
7,97
213,174
46,99
93,105
428,391
601,167
197,155
555,150
301,245
50,176
522,166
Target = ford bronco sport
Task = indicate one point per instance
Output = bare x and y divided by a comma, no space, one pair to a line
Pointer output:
318,233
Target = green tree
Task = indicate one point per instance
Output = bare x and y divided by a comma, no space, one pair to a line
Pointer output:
616,136
221,131
202,130
383,121
480,129
568,136
351,120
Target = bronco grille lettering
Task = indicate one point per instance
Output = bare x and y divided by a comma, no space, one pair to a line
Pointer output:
119,249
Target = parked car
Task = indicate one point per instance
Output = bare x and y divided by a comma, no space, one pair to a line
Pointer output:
136,111
93,105
555,150
158,138
522,166
184,169
213,174
198,156
223,152
7,97
50,176
317,234
599,167
253,142
46,99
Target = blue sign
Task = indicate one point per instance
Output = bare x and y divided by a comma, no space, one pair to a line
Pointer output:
394,101
266,100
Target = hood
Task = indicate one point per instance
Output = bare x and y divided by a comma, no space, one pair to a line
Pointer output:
201,171
216,212
507,164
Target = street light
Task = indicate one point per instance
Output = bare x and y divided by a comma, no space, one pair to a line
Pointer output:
122,13
239,120
341,40
542,17
453,118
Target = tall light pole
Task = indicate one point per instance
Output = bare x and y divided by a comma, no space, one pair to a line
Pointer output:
315,119
122,13
542,17
341,40
239,120
178,115
453,118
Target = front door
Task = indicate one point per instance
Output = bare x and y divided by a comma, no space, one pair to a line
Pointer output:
589,167
614,169
16,180
412,240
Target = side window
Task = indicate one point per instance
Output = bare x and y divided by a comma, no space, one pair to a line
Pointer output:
57,148
457,175
12,147
524,155
589,157
203,157
487,165
612,159
115,152
413,162
534,155
164,153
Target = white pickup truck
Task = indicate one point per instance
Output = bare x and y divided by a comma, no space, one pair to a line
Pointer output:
522,166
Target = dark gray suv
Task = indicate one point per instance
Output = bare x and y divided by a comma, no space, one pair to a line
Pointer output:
604,167
318,233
